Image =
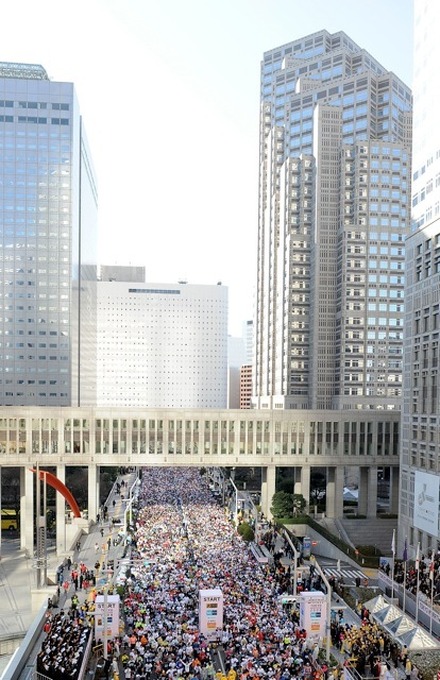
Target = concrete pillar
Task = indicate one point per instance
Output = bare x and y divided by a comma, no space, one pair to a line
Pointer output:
394,489
27,510
334,492
305,486
367,503
372,492
268,475
93,492
363,491
297,480
60,510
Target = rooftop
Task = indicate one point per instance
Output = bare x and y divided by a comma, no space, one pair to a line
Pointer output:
26,71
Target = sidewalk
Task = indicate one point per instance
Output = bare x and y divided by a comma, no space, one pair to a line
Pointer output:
18,578
337,602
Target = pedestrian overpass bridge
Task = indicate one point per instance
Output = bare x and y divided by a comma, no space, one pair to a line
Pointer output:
56,438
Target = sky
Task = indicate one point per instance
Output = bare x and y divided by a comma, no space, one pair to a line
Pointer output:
169,93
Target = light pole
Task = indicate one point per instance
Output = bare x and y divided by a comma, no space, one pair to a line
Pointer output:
236,501
254,512
132,496
295,560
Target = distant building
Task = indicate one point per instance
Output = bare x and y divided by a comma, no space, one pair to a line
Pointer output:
161,345
125,273
246,386
248,337
334,210
48,258
236,358
240,367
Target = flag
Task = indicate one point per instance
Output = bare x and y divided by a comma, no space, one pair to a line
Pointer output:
405,552
393,543
431,570
418,556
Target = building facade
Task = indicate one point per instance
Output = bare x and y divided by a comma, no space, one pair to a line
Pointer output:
334,190
420,448
161,345
48,256
57,439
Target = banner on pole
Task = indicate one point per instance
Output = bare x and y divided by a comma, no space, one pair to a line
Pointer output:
106,616
313,613
211,613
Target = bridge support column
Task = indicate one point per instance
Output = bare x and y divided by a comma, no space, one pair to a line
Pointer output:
334,493
60,509
394,490
27,510
304,487
297,480
268,475
367,503
93,491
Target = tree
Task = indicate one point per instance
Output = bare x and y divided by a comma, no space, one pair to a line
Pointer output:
282,504
299,503
246,532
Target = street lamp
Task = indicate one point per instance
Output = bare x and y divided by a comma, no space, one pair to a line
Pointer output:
295,560
132,496
236,501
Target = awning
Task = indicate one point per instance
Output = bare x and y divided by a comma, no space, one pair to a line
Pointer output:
400,626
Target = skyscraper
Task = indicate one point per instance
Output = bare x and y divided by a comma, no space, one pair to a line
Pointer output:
420,449
334,188
48,247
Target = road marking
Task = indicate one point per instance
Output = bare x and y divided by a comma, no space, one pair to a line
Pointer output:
345,572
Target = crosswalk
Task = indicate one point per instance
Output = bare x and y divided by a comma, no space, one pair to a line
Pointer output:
348,574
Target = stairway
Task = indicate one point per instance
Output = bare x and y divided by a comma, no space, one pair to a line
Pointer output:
373,531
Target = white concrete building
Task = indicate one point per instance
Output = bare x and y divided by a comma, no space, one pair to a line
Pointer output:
420,448
162,345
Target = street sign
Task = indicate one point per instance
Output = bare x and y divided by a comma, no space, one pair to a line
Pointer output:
307,546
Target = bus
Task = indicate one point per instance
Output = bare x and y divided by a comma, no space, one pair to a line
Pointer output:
9,520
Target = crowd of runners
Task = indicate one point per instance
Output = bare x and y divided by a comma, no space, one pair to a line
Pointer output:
184,542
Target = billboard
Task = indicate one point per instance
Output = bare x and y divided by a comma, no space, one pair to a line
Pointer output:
106,615
313,613
426,502
211,613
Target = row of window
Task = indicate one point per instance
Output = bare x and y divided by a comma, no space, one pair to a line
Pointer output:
34,119
55,106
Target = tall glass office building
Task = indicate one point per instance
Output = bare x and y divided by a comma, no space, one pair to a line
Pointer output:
334,192
48,246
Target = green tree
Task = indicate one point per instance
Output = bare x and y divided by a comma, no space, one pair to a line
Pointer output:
299,503
246,532
282,504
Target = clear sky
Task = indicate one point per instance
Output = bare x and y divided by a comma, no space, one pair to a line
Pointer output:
169,92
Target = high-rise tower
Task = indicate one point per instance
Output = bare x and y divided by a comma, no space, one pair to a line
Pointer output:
420,449
48,247
334,188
